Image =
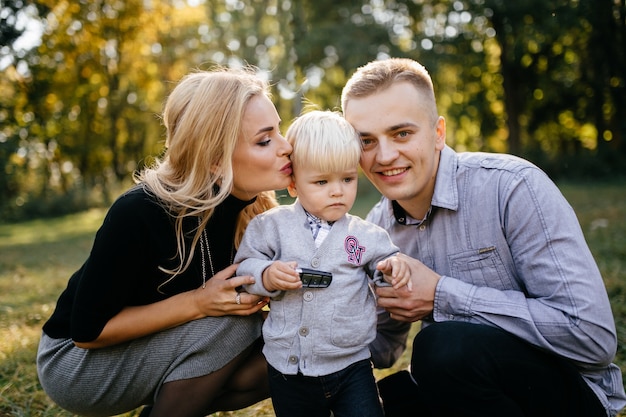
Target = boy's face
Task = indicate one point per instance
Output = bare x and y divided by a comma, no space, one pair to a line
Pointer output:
327,195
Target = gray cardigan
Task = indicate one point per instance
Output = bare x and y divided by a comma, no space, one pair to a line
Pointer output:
316,331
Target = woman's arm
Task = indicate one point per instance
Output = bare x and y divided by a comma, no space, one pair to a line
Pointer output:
218,298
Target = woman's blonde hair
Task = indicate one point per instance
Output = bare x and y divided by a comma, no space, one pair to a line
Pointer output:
323,140
203,118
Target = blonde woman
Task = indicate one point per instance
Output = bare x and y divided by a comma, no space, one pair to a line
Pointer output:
153,316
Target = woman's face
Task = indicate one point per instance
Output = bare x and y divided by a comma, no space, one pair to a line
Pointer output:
261,157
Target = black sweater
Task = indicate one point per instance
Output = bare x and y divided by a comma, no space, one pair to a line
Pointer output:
136,237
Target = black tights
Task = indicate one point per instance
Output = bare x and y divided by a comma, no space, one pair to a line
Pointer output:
465,370
239,384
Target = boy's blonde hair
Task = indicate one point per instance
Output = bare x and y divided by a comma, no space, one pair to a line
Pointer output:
324,140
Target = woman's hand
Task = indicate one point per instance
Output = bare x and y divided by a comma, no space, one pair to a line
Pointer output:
221,297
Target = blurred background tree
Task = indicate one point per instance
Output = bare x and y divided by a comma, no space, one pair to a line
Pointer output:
82,82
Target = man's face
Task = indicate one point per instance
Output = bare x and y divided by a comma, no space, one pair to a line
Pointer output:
401,144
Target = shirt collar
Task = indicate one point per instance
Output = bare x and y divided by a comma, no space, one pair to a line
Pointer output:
316,220
446,193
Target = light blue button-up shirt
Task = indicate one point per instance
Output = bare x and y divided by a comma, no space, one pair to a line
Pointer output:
511,254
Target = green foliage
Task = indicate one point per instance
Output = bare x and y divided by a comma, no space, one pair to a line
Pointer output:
79,113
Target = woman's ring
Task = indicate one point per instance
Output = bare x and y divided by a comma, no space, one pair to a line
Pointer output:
238,298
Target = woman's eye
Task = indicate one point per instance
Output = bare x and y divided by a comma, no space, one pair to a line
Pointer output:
265,142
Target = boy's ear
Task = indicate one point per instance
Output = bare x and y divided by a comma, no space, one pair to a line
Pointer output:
291,188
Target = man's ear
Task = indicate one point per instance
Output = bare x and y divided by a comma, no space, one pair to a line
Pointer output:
440,140
291,188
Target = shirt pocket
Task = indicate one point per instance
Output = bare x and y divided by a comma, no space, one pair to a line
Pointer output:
353,326
481,267
275,325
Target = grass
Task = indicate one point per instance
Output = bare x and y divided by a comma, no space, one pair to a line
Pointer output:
37,258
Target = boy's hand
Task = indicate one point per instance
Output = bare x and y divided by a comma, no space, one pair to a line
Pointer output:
281,276
396,272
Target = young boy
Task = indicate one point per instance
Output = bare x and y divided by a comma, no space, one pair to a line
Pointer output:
316,339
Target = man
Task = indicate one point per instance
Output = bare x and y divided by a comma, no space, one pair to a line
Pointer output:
515,317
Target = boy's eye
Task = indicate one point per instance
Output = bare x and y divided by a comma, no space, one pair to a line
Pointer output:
321,182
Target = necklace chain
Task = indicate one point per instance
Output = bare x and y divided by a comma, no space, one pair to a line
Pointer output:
204,241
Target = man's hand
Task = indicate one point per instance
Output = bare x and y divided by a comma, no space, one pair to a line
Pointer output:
415,304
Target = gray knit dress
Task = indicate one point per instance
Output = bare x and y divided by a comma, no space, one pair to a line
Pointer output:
123,269
114,380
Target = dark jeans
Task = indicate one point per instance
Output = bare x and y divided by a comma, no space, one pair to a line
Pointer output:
349,392
466,370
